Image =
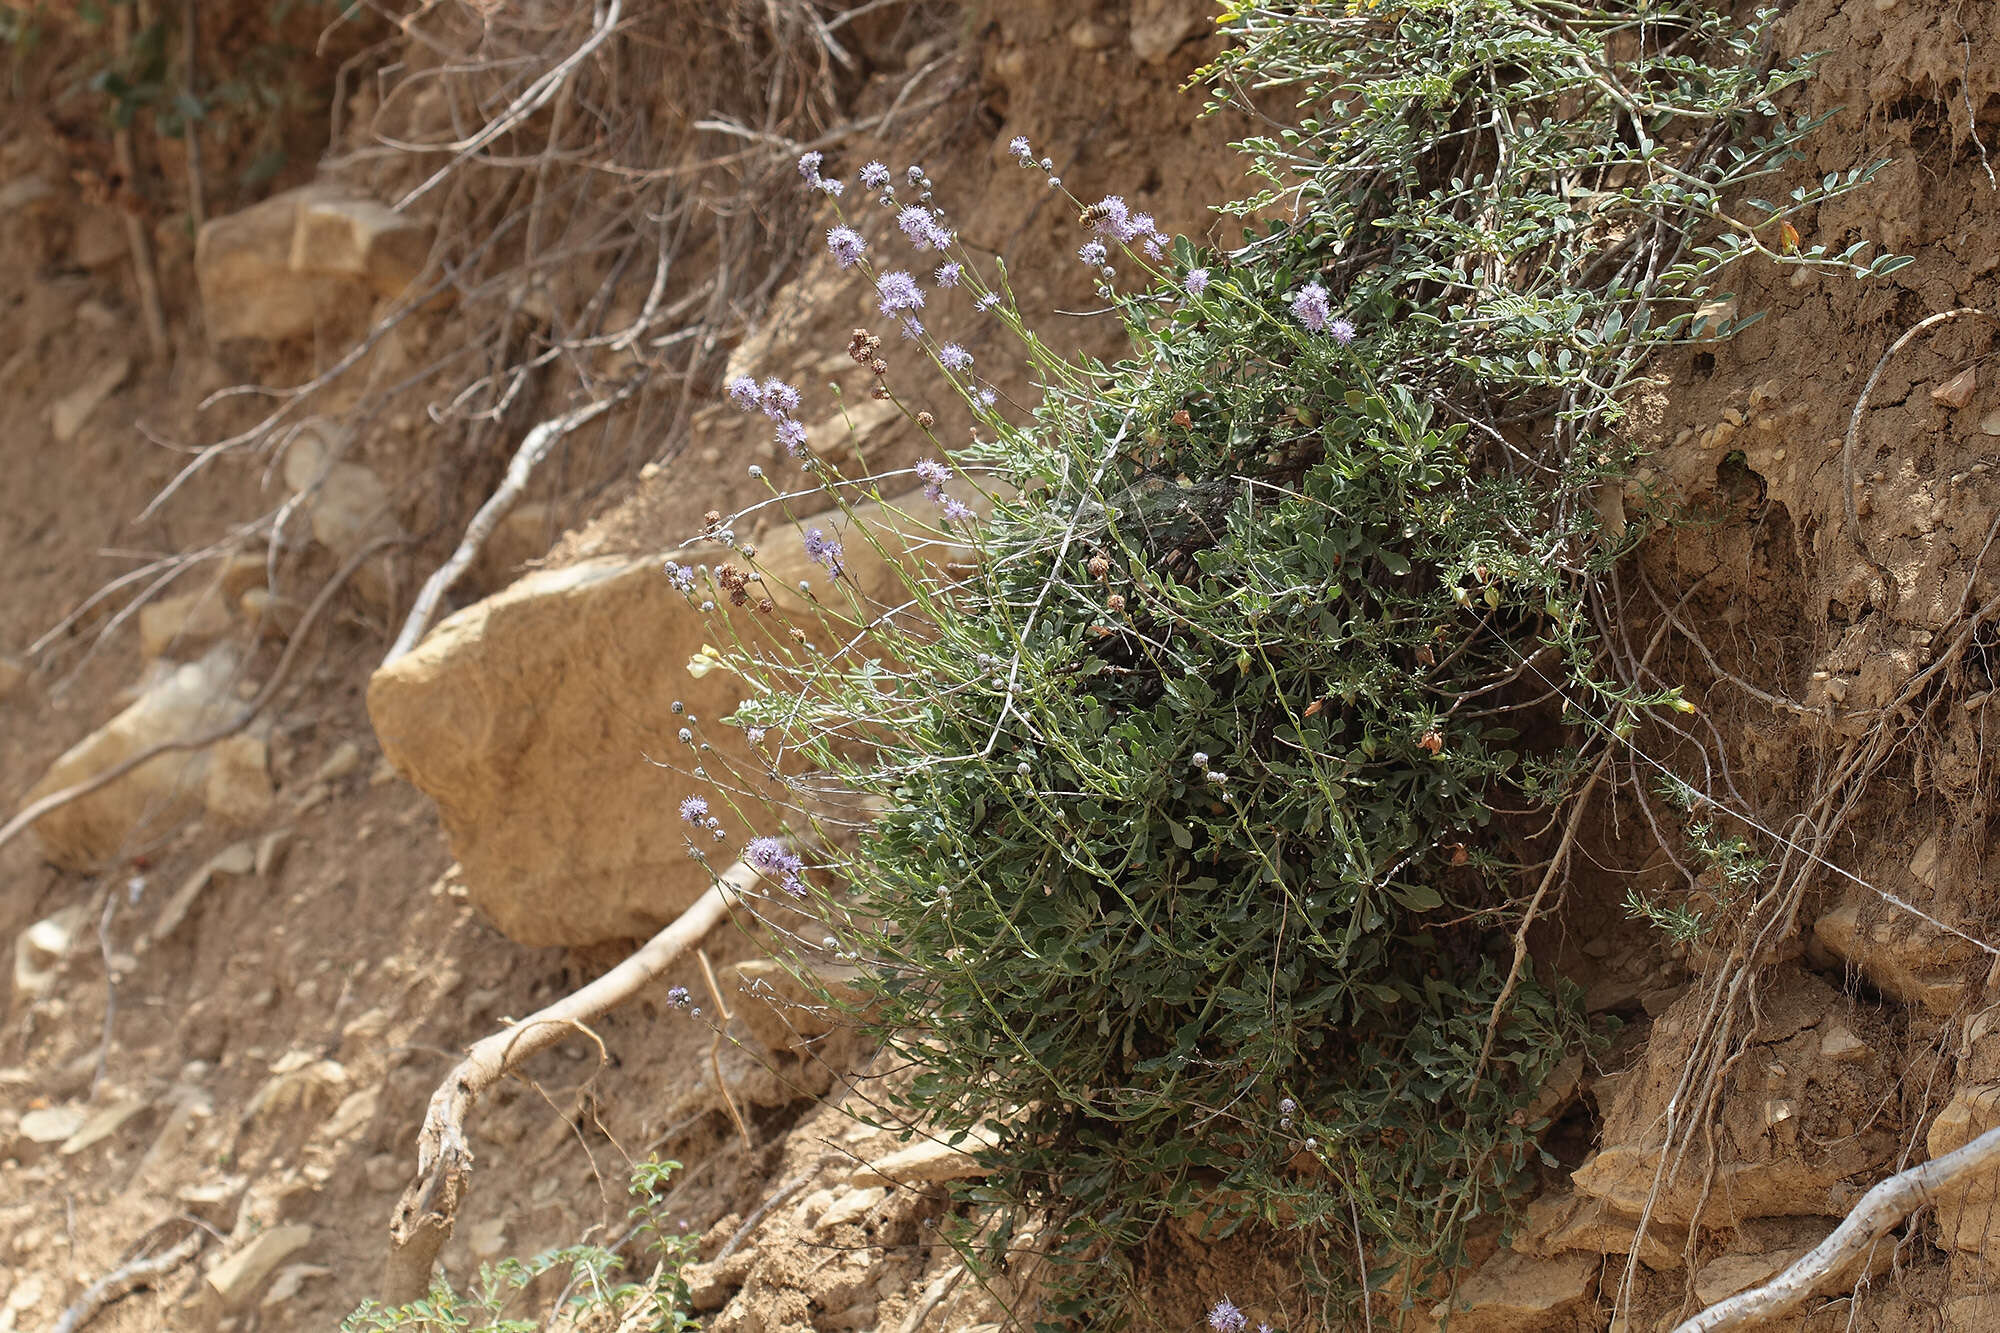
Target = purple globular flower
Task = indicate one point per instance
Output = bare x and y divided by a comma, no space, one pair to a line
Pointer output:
823,550
809,167
1310,308
875,176
954,357
987,397
793,885
743,392
770,856
934,475
833,185
694,809
923,228
1156,247
678,997
954,509
1196,281
987,302
1140,224
913,329
1018,146
1113,218
846,245
947,275
792,436
680,576
779,399
1092,253
1226,1318
899,291
1341,331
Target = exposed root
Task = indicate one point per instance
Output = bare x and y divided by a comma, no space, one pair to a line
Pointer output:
529,456
1881,1209
427,1211
125,1278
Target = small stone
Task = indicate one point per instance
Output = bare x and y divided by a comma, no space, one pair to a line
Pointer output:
239,1275
1710,318
235,859
1091,36
52,1124
1957,391
238,788
1990,423
183,626
288,1281
273,616
40,949
13,674
68,413
346,757
272,849
1160,26
488,1238
851,1207
930,1160
1725,1276
102,1124
1838,1043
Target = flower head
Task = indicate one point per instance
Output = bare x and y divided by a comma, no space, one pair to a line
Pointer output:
769,854
823,550
913,328
1226,1318
694,809
1196,281
899,291
678,997
987,302
934,475
987,397
1018,146
923,228
680,576
947,275
954,357
955,509
743,392
875,176
809,167
793,437
779,398
1310,308
1341,331
1113,218
1092,253
846,245
1156,247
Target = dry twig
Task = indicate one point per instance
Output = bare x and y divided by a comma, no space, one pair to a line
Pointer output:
127,1277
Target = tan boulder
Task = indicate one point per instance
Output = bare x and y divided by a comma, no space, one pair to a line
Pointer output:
183,625
1781,1149
1512,1293
275,269
1906,958
1967,1215
541,721
109,823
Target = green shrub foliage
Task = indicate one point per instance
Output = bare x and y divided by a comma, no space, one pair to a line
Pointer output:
1195,879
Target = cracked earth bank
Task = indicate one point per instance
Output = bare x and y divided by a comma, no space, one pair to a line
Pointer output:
236,978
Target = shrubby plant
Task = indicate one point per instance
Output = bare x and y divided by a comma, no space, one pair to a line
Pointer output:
1197,860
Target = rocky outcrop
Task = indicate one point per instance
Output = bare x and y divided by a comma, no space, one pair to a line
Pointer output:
228,779
546,722
1792,1138
277,268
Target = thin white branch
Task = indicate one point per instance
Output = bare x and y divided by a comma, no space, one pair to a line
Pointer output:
1881,1209
534,448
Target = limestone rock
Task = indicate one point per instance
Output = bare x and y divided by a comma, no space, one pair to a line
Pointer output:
236,859
926,1162
1561,1222
1967,1215
1771,1165
1957,391
1728,1274
96,829
237,1277
101,1124
237,789
52,1124
40,949
1907,959
1159,26
68,413
13,674
248,289
359,238
1511,1293
540,720
275,269
851,1207
184,625
1972,1314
